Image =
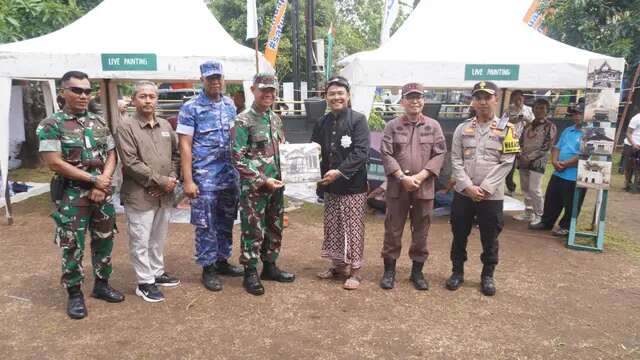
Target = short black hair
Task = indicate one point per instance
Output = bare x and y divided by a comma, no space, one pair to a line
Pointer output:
542,101
517,92
73,74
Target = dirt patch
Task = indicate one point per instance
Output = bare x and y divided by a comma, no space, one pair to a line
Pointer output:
552,303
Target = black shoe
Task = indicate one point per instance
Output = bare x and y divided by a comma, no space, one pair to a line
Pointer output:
149,293
167,280
488,286
417,277
389,276
252,283
540,226
270,272
75,305
103,291
454,281
209,278
224,268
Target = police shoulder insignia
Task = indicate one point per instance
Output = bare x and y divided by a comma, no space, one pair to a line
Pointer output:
510,145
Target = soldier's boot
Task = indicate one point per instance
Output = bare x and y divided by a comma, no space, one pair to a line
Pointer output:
209,278
487,284
270,272
252,282
224,268
389,275
417,277
75,305
456,279
102,291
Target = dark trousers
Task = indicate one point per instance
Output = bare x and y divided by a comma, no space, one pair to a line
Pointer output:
511,185
559,196
489,214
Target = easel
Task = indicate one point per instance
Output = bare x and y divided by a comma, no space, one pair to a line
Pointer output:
597,236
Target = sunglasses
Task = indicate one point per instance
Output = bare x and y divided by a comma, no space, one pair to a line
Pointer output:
78,90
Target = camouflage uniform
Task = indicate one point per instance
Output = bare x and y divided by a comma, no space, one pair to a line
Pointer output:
216,207
84,141
255,140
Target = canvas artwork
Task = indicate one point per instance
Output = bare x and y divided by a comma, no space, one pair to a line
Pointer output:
597,141
605,73
601,105
300,163
594,174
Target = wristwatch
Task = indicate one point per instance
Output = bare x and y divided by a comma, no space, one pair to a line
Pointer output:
401,177
93,179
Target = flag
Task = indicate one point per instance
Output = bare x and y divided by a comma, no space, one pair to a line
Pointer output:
277,24
391,10
252,20
329,62
534,16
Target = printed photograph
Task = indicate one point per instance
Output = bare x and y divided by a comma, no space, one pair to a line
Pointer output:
300,163
594,174
601,105
598,141
605,73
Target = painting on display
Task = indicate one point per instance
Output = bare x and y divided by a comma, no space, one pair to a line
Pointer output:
601,105
597,141
594,174
605,73
300,163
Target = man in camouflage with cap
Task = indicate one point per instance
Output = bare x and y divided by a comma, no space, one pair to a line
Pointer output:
210,180
412,150
255,139
79,147
483,150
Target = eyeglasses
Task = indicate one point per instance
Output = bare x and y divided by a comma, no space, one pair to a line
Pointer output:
78,90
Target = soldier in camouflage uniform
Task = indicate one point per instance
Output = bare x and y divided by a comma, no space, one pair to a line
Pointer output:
255,139
210,180
79,147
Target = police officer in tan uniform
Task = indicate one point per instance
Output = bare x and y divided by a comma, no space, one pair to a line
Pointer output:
482,154
412,150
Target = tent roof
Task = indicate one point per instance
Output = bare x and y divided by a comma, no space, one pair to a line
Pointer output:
182,34
440,38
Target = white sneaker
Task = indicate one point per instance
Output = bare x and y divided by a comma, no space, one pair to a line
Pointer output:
525,216
535,219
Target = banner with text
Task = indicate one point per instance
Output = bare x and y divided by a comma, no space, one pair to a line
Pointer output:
277,25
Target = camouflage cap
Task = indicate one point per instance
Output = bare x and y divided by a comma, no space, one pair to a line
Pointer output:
578,108
211,68
265,81
485,86
412,88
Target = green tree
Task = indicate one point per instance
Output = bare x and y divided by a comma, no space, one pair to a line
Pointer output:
25,19
611,27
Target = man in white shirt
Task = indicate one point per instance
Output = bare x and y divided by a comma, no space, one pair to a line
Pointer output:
632,155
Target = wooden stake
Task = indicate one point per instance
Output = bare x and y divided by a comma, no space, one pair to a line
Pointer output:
255,44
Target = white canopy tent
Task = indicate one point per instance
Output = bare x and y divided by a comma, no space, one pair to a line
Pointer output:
455,43
124,40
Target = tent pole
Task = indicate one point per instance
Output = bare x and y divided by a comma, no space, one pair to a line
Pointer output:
628,104
503,96
255,45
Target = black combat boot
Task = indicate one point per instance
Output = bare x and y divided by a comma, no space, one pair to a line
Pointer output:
252,282
102,291
270,272
389,276
75,305
417,278
456,279
487,284
209,278
224,268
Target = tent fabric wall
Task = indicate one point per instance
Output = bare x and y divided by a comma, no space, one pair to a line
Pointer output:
185,34
437,41
5,99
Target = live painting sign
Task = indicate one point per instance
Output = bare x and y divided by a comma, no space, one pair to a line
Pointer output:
129,62
479,72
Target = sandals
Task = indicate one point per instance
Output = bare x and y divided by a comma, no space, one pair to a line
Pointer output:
352,283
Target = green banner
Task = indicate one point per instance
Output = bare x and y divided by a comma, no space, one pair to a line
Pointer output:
479,72
129,62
